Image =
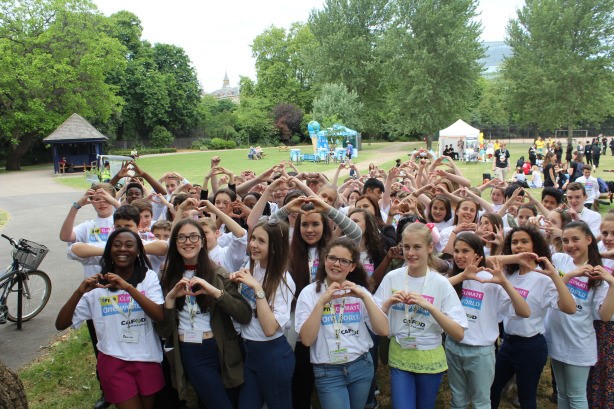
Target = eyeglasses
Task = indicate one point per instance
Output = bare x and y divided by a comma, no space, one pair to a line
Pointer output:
342,261
194,238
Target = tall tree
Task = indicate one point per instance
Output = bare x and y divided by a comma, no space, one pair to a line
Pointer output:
561,72
432,51
335,101
284,65
349,33
55,59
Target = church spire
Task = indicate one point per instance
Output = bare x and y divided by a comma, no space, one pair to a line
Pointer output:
226,80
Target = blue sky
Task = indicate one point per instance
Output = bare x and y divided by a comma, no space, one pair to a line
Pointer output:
217,35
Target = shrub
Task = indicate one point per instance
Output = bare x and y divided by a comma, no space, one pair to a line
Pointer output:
295,139
217,143
201,144
160,137
144,151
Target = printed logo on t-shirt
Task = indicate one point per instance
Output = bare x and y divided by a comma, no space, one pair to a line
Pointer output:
412,308
351,314
122,301
368,265
472,299
523,293
98,234
314,269
248,293
578,289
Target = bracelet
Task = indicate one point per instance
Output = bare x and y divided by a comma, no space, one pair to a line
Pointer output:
76,205
221,295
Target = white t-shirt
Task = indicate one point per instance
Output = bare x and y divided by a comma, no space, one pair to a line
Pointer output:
94,231
202,321
367,263
537,179
445,234
313,258
233,255
483,303
540,293
591,186
111,325
281,306
353,334
405,320
571,338
593,219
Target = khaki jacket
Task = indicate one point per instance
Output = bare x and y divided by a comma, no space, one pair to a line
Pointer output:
231,304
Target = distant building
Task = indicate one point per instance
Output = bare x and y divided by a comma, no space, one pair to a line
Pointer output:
496,52
227,92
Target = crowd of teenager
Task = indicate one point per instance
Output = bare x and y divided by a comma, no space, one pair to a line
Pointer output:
259,289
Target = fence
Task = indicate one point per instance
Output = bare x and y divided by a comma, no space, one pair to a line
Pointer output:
179,143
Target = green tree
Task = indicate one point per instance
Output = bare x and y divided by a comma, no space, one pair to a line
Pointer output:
159,86
432,51
284,65
490,109
561,72
349,34
55,58
335,101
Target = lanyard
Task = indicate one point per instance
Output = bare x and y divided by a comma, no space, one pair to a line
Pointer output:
311,261
120,310
337,319
409,318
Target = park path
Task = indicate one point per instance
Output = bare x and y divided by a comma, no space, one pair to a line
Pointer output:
37,206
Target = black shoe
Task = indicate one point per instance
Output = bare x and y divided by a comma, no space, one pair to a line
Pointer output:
101,403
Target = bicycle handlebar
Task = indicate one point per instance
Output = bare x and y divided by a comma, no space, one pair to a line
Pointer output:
17,246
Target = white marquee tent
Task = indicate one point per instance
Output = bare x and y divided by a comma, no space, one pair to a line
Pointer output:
456,131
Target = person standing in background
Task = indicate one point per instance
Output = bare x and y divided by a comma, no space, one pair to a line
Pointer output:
588,152
501,162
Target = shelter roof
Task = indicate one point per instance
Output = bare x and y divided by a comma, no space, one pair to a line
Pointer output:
75,129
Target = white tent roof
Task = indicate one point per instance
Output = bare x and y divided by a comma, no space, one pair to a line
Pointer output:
460,128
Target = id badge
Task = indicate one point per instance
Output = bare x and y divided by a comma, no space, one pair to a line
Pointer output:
408,342
131,337
339,356
194,337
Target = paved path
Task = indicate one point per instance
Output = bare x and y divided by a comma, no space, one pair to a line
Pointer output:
38,206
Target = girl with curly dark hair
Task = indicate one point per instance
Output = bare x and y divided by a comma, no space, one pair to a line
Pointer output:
523,353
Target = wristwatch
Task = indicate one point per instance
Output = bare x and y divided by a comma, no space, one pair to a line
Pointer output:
260,295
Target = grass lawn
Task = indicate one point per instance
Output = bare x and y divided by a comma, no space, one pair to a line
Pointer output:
64,377
4,218
194,165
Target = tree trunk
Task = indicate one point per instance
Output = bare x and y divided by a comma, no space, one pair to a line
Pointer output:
428,141
12,393
570,135
13,161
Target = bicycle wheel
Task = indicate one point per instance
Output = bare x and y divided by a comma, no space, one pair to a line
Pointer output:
36,293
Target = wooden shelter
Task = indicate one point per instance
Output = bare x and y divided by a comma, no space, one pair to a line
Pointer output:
77,141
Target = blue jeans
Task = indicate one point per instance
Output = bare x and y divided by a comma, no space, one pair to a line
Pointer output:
524,357
571,385
268,372
412,390
471,370
344,385
201,363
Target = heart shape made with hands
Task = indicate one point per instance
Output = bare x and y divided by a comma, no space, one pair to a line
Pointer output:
341,292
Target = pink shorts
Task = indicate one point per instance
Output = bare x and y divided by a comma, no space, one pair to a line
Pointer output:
122,380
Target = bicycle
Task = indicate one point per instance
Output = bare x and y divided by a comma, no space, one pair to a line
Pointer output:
24,290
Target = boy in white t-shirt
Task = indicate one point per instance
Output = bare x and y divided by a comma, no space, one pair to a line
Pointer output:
537,181
591,186
576,197
102,198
